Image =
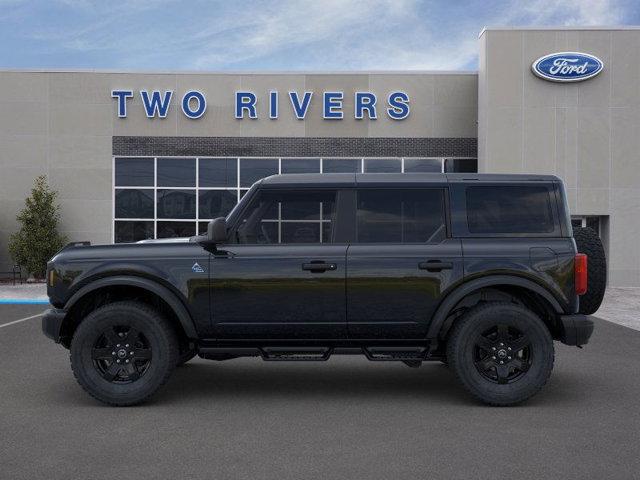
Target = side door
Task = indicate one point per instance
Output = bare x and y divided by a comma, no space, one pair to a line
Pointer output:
282,276
401,261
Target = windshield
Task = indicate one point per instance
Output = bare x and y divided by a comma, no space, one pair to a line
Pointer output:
234,212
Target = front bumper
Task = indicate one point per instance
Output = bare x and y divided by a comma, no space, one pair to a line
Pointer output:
576,329
52,323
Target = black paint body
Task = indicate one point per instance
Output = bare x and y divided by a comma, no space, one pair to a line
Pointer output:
260,295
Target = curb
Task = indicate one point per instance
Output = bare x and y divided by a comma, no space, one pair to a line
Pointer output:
23,301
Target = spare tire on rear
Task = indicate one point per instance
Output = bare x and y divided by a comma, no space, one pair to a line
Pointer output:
589,243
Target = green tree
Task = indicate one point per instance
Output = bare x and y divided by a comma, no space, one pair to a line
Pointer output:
38,238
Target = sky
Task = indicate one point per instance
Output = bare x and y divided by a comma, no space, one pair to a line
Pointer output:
277,35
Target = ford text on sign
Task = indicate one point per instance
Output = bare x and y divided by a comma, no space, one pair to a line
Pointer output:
567,66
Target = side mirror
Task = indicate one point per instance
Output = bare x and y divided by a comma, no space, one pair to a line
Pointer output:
217,230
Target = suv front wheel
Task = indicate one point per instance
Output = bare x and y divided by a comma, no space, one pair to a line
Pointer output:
501,352
123,352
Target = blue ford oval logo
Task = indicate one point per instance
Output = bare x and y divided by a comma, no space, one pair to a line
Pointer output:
567,66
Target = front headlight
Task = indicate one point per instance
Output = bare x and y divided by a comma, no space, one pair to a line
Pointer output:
53,277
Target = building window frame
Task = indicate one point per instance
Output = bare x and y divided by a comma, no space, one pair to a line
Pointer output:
237,188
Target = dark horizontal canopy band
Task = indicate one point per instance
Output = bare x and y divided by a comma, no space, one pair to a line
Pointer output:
295,146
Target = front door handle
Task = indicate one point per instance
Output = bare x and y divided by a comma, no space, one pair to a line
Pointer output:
435,266
318,266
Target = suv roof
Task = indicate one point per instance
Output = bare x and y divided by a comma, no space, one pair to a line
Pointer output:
353,179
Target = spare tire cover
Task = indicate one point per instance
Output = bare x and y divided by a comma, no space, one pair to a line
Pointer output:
589,243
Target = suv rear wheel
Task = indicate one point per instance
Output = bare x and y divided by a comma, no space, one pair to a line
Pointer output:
123,352
501,352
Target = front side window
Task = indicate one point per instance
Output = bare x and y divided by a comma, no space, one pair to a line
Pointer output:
400,216
300,216
509,209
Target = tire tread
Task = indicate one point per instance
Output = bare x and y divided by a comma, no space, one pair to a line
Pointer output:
455,338
162,323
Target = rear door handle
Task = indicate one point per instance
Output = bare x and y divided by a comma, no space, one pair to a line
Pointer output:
318,266
435,266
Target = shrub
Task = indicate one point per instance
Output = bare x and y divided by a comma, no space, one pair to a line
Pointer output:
38,238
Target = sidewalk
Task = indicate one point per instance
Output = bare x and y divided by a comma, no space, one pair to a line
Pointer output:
34,293
621,305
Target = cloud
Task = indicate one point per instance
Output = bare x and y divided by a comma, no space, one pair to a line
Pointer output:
569,12
283,34
383,35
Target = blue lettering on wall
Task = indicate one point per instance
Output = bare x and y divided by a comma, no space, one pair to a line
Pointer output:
332,105
365,101
398,105
273,105
122,96
300,108
246,101
156,105
200,100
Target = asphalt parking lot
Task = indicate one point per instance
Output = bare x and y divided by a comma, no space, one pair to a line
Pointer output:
345,419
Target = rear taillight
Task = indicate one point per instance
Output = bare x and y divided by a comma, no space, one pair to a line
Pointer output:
580,265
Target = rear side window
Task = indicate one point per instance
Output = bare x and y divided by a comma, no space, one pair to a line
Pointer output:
509,209
400,216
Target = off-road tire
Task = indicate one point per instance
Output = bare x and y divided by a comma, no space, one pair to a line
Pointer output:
462,348
156,330
588,242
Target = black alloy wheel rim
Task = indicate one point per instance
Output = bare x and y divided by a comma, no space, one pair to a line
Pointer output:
502,354
121,354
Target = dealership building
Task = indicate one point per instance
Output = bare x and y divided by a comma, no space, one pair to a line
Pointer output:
152,155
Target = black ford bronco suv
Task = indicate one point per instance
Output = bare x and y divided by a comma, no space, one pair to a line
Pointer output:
481,272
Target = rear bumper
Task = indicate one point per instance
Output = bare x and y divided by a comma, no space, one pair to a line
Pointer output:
576,329
52,323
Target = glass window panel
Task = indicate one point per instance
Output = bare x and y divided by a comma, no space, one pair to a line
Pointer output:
132,231
382,165
422,165
461,165
509,209
176,172
176,203
134,203
341,165
218,172
253,169
202,228
300,209
216,203
176,229
294,232
327,231
134,172
400,216
300,165
260,223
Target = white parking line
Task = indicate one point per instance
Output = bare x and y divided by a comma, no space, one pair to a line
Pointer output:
21,320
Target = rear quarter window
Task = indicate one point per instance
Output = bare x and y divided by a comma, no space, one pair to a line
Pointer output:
509,209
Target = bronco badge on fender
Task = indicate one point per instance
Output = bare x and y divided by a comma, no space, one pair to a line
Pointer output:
567,67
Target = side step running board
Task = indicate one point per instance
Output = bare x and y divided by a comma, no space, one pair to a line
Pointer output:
405,354
309,354
386,354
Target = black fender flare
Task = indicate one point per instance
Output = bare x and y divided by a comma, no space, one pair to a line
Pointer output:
439,320
154,287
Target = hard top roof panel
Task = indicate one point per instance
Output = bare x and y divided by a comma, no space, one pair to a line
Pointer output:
393,179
